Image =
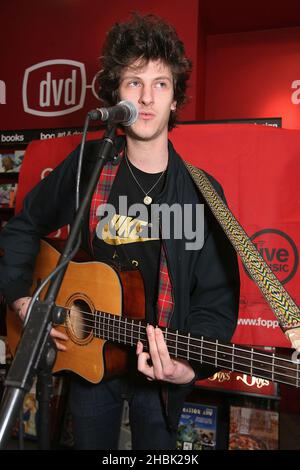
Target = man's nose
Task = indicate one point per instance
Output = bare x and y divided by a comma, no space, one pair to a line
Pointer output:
146,97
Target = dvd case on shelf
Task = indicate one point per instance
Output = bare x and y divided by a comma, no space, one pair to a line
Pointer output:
253,429
11,162
197,427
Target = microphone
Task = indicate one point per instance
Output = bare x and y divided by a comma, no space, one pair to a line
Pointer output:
124,113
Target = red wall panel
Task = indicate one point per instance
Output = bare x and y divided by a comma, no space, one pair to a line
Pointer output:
253,75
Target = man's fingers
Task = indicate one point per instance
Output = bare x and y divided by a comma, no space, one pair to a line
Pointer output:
294,336
60,346
162,363
139,347
20,306
162,367
58,335
153,350
143,364
166,362
162,347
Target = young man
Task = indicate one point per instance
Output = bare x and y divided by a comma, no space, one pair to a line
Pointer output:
193,290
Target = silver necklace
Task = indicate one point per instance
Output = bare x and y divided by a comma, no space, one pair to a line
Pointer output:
147,199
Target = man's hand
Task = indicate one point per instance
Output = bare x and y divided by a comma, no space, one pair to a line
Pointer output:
294,336
20,306
162,367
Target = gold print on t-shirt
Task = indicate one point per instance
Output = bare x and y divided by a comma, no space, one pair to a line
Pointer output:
122,230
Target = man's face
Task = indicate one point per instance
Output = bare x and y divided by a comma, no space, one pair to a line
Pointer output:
150,88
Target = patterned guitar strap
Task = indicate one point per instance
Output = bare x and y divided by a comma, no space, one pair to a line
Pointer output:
281,303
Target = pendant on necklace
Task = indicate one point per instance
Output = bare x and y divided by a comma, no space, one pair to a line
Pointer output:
147,200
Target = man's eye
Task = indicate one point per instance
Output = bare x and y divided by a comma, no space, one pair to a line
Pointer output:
134,83
161,84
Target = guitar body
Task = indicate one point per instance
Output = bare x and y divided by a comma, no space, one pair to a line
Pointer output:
99,300
87,287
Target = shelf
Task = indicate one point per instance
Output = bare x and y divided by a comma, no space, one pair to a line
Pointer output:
9,176
6,209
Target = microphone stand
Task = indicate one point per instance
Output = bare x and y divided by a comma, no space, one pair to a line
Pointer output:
36,350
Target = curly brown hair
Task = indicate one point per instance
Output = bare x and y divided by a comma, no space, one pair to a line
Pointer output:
147,38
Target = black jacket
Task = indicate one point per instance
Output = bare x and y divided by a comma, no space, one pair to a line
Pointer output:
205,282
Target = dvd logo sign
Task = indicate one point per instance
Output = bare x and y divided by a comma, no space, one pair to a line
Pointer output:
2,92
295,98
279,251
54,87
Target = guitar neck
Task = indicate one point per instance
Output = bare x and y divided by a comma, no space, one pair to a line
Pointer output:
200,350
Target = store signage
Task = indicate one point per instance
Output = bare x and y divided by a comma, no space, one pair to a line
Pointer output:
295,98
279,251
236,382
54,87
2,92
12,137
2,352
27,135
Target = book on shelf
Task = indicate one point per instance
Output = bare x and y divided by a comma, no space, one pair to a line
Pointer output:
253,429
8,194
11,162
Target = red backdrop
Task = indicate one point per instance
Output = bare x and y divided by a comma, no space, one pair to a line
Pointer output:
241,75
259,169
254,74
39,38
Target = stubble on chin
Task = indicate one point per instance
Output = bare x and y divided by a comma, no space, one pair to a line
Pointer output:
142,135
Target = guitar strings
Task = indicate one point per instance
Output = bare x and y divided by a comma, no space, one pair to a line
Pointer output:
200,357
126,322
237,364
177,348
133,324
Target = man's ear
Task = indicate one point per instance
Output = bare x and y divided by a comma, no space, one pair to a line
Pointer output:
173,106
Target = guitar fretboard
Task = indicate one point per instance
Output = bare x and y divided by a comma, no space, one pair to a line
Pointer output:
200,350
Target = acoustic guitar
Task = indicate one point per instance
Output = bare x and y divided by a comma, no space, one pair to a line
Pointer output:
104,316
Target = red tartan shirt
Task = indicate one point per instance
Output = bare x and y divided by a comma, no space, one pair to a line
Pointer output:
165,299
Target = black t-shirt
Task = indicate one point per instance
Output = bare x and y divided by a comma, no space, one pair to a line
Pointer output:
126,240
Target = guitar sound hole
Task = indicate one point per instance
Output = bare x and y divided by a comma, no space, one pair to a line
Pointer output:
80,317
